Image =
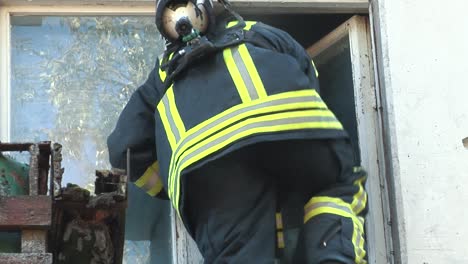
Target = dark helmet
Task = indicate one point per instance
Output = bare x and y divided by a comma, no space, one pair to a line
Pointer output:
177,19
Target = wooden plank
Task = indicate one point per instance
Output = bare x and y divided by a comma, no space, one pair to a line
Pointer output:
27,258
300,6
34,241
43,146
326,42
25,212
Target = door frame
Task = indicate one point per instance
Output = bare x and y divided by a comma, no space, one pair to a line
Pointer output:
357,32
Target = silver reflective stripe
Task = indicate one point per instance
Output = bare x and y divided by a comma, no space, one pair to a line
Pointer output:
282,101
360,200
170,118
327,204
261,124
244,74
152,181
359,250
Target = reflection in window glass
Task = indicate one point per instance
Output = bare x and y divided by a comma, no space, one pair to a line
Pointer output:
70,79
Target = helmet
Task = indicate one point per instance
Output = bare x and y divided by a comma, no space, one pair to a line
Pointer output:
177,19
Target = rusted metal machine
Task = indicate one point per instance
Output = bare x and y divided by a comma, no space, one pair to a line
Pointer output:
60,225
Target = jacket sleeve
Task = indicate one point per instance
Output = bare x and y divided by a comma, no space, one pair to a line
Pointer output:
135,130
282,42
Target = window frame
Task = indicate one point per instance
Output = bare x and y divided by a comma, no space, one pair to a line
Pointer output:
146,7
5,58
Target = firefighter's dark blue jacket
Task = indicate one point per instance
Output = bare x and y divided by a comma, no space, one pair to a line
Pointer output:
234,98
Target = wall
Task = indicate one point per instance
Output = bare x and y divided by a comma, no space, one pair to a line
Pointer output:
423,47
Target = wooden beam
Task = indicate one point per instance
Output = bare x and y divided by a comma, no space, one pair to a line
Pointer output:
27,258
243,6
43,146
25,212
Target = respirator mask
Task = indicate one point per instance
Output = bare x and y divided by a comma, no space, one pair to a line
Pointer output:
184,20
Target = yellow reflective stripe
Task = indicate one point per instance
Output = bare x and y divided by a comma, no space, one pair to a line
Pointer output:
315,68
279,221
150,181
299,120
166,123
156,188
302,99
279,231
173,124
170,116
280,239
175,113
162,74
280,102
146,176
329,205
248,24
252,70
358,243
360,198
242,69
236,75
357,169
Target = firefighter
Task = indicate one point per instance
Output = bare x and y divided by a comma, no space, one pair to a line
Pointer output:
230,124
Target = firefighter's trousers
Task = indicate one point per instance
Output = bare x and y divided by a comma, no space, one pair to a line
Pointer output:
231,203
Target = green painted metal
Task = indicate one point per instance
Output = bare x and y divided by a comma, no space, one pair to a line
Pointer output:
13,181
10,242
13,177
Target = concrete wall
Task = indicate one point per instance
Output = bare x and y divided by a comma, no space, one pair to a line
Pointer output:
425,73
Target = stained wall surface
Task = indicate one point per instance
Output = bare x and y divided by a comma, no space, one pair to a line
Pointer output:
425,68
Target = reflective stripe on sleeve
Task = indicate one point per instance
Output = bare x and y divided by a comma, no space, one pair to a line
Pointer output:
279,231
360,198
279,221
150,181
280,239
336,206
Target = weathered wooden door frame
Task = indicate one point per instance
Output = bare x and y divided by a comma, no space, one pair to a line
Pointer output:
357,32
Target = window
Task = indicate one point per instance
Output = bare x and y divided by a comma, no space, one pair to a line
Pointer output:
69,77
